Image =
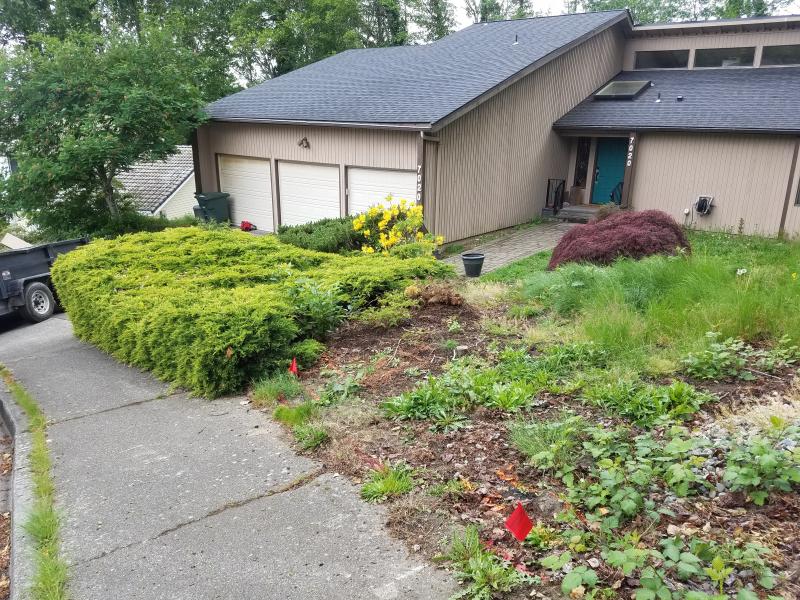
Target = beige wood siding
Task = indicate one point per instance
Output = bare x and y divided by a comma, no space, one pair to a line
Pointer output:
746,175
328,145
716,40
494,162
181,201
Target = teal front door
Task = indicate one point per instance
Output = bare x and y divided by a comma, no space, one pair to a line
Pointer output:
609,168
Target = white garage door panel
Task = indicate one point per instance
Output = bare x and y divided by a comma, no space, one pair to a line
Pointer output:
368,187
307,192
248,181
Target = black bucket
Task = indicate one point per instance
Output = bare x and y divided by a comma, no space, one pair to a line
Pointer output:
473,263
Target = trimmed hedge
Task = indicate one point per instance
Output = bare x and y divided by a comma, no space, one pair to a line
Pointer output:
209,309
326,235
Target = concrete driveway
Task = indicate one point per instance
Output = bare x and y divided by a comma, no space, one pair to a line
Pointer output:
165,496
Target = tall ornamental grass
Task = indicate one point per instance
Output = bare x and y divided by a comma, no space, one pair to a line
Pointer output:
209,309
664,305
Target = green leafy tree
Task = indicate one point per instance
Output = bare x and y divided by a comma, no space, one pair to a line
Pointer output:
519,9
730,9
435,18
77,112
482,11
384,23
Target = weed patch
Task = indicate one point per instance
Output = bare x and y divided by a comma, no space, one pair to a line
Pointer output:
310,437
389,481
49,580
293,416
276,388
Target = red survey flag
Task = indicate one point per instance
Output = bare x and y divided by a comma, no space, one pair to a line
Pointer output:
519,523
293,367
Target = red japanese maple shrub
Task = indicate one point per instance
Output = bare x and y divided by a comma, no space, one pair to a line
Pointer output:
624,233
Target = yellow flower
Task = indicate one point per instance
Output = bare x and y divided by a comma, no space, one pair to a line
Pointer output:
439,240
366,233
367,249
794,276
357,224
420,235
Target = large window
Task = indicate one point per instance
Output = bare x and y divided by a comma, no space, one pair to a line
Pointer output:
662,59
724,57
781,55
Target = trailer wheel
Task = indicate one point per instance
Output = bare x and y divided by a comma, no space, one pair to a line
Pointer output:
39,302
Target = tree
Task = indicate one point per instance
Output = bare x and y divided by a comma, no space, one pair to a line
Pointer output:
519,9
656,11
730,9
482,11
435,18
75,113
384,23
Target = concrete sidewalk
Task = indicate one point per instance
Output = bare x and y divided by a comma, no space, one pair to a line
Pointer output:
169,497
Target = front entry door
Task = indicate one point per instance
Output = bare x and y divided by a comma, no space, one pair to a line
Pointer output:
609,168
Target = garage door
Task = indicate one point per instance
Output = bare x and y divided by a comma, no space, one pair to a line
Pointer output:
307,192
248,181
367,187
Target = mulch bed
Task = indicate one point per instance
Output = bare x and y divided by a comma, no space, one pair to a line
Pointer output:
496,475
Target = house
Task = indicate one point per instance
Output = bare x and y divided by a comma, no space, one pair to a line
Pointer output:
165,187
501,122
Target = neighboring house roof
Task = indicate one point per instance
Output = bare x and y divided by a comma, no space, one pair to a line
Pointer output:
726,100
413,86
151,183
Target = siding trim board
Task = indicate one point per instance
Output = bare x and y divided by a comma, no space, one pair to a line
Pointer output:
789,184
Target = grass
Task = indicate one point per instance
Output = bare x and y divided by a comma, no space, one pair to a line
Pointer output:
660,309
389,481
310,437
548,444
49,581
292,416
276,388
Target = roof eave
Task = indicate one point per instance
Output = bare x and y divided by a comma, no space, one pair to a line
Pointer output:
671,129
308,123
477,101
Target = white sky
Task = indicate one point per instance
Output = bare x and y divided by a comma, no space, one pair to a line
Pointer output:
556,7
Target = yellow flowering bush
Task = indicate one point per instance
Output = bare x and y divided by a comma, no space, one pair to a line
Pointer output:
392,226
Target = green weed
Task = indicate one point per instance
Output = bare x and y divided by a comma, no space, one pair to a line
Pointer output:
276,388
293,416
549,445
388,482
310,437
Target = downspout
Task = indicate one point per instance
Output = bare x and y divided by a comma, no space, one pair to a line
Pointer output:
788,198
198,186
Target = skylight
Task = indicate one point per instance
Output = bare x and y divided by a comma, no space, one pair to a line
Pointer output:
621,90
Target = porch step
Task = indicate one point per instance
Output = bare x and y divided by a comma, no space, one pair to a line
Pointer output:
580,213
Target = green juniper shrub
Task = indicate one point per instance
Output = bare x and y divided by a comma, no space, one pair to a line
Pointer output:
388,481
210,309
309,436
326,235
276,388
392,309
307,352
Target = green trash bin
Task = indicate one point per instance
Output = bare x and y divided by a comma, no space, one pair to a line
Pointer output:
215,205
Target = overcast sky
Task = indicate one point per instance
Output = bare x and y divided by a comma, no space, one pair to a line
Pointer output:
556,7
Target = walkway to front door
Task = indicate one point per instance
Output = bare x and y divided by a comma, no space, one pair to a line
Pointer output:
510,245
609,168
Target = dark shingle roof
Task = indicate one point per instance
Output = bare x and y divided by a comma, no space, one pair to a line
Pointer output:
410,85
151,183
746,100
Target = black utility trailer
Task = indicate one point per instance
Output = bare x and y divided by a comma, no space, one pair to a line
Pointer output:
25,279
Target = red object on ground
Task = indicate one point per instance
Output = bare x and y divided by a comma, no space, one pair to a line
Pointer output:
246,226
630,234
519,523
293,367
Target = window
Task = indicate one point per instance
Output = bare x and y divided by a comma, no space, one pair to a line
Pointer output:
621,90
582,162
781,55
724,57
662,59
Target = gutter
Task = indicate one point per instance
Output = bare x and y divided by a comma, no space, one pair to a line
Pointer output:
581,129
348,124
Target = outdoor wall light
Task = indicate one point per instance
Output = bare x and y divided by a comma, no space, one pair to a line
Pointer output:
304,143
